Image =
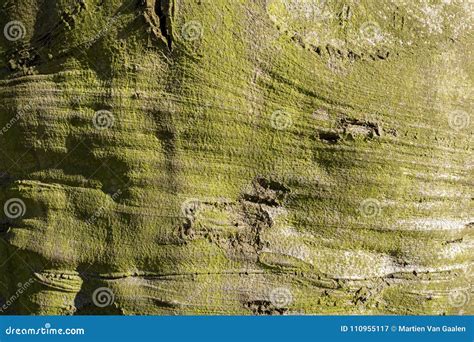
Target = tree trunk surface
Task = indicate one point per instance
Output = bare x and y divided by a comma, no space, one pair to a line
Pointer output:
236,157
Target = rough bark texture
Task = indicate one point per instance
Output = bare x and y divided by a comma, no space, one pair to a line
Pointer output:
236,157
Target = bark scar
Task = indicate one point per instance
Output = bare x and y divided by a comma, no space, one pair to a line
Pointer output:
158,14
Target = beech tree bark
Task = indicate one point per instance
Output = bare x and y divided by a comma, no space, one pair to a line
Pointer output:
236,157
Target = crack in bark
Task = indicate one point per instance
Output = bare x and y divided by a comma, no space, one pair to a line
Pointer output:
158,15
160,7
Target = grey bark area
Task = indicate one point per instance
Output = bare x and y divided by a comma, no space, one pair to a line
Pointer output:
236,157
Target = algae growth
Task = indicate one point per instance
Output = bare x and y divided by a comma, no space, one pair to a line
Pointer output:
236,157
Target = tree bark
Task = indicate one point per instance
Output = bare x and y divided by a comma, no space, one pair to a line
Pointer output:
236,157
